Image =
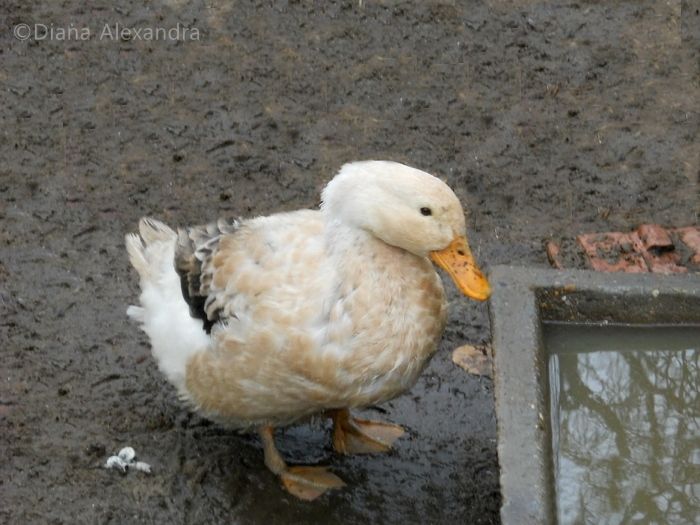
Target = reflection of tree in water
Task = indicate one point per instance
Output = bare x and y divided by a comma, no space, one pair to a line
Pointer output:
629,437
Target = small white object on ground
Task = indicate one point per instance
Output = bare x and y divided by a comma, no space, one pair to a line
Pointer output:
143,467
127,454
116,462
125,459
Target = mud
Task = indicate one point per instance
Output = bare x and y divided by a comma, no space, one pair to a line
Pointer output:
548,118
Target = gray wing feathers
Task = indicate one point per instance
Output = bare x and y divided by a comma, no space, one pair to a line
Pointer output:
196,247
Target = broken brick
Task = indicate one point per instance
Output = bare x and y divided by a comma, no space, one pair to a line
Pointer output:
654,237
691,238
650,248
613,252
656,246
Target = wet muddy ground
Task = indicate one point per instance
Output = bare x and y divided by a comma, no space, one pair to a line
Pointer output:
548,118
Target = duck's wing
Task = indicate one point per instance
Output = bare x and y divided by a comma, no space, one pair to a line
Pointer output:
194,255
254,272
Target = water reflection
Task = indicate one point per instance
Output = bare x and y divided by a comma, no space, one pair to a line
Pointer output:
626,421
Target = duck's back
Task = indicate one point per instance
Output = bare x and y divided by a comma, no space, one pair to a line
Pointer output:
240,272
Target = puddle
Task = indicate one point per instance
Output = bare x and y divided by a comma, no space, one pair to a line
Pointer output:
625,422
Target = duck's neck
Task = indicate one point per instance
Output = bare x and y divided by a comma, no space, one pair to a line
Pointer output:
359,255
348,243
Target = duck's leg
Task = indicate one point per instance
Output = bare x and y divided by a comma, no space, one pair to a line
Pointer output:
306,483
360,436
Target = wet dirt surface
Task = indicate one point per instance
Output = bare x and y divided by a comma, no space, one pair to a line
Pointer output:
547,118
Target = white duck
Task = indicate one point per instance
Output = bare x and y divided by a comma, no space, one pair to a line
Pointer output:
267,321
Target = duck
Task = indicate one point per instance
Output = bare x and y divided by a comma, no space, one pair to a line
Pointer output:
265,322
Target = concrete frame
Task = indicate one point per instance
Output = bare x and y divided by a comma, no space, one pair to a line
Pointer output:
522,299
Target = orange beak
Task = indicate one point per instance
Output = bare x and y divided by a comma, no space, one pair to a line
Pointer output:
458,261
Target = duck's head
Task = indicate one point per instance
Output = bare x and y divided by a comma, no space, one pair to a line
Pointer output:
409,209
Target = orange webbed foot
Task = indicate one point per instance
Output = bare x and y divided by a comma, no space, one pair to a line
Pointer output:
361,436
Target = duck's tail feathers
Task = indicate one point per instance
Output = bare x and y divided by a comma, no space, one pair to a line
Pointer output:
146,250
163,314
136,313
152,231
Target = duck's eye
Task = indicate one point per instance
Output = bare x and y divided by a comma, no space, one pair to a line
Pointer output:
426,211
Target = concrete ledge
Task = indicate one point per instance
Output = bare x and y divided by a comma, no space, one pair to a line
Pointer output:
523,298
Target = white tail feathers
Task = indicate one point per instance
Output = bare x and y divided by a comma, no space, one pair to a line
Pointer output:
164,315
144,251
137,313
152,231
137,254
